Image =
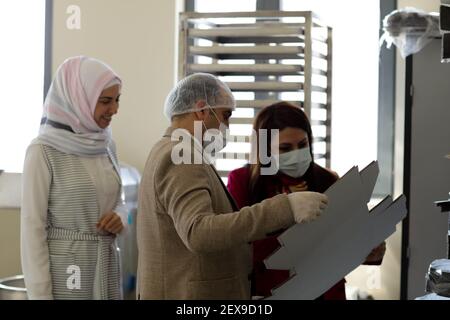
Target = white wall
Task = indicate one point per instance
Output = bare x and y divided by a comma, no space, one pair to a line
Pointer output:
426,5
137,38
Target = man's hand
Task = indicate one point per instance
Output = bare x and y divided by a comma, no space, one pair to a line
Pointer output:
111,223
307,206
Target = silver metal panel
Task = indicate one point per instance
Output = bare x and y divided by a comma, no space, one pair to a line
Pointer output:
249,52
430,170
246,69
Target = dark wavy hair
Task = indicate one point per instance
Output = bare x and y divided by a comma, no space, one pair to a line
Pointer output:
279,116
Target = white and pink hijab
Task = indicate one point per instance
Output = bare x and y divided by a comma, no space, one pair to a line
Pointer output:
68,122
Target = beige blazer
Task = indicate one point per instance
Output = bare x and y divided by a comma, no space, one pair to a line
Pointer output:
193,242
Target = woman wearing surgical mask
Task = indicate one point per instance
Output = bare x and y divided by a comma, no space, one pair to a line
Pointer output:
297,171
71,195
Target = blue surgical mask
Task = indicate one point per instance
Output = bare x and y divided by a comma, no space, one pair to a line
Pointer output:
295,163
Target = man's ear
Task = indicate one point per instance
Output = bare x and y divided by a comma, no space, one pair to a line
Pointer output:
202,113
200,104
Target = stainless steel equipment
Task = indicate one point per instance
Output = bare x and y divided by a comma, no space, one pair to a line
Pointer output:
276,55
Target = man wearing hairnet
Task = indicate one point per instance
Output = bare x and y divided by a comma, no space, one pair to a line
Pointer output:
193,242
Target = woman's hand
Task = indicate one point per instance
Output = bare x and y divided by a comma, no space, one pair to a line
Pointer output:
110,222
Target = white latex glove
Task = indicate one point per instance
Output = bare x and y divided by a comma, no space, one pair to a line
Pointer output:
307,206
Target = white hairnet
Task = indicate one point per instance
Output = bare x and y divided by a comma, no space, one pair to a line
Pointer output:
199,86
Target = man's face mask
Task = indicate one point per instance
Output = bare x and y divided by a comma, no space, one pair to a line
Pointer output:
214,140
295,163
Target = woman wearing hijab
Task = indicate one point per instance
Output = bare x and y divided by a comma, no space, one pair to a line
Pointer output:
71,194
297,172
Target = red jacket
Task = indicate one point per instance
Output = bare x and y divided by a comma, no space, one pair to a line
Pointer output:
264,280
